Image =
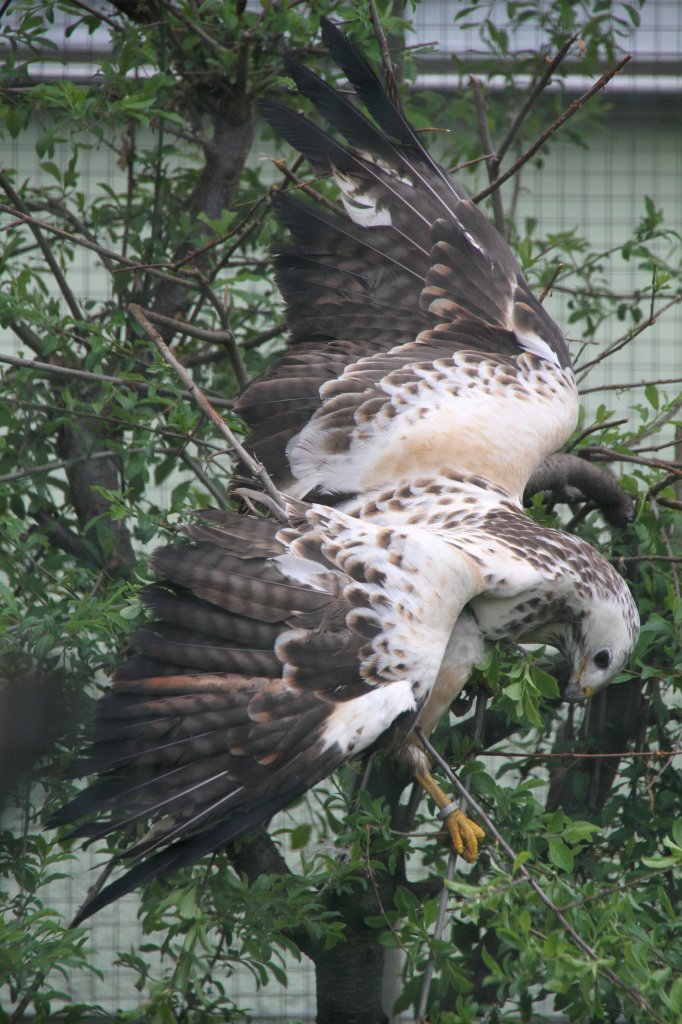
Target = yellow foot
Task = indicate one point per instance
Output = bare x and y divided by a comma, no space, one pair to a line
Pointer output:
464,833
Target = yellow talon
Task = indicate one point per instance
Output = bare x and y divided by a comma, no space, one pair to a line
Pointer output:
464,833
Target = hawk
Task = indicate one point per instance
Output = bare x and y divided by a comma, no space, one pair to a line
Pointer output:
422,384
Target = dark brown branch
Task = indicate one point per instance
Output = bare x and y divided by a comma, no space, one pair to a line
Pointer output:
536,91
611,455
562,475
575,106
492,163
256,470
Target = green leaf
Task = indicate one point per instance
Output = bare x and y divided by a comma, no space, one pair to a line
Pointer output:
300,836
559,854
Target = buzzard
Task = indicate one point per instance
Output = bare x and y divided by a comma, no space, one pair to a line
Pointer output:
422,384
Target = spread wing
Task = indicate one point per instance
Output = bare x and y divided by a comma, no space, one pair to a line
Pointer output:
273,657
408,315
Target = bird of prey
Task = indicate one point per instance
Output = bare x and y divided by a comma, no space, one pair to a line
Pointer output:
422,384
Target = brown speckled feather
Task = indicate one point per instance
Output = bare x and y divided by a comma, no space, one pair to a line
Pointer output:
407,262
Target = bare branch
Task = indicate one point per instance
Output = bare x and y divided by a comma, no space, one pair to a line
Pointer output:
255,468
625,339
536,90
575,106
492,163
205,479
105,378
575,937
630,385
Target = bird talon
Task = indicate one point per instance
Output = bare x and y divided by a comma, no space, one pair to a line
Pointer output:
465,835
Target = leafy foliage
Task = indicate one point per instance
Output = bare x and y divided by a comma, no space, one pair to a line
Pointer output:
103,452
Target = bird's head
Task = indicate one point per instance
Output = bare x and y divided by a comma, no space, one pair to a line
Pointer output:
598,644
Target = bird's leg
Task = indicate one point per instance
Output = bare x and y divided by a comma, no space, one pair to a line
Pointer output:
464,833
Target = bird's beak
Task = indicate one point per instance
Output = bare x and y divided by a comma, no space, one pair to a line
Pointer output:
575,690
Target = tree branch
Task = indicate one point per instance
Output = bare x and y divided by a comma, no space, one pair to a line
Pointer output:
492,163
255,468
56,270
575,106
575,937
102,378
563,474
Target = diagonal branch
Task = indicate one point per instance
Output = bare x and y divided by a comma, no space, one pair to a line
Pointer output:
255,468
530,99
575,106
493,161
575,937
64,288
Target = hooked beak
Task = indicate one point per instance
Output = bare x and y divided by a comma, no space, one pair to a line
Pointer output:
575,690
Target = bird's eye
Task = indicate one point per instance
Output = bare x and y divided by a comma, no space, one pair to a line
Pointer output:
602,659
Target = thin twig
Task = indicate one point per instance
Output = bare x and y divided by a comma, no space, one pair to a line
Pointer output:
593,430
51,467
477,739
386,62
182,327
255,468
576,938
670,559
103,378
629,385
492,163
625,339
532,96
128,264
305,186
97,14
205,479
202,358
175,435
224,337
550,284
575,106
48,256
575,756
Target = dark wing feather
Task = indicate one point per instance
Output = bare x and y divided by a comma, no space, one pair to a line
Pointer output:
411,260
219,719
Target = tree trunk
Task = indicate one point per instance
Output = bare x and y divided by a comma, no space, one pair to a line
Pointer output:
349,976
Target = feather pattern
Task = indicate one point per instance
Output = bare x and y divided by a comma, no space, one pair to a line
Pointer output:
412,265
276,653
